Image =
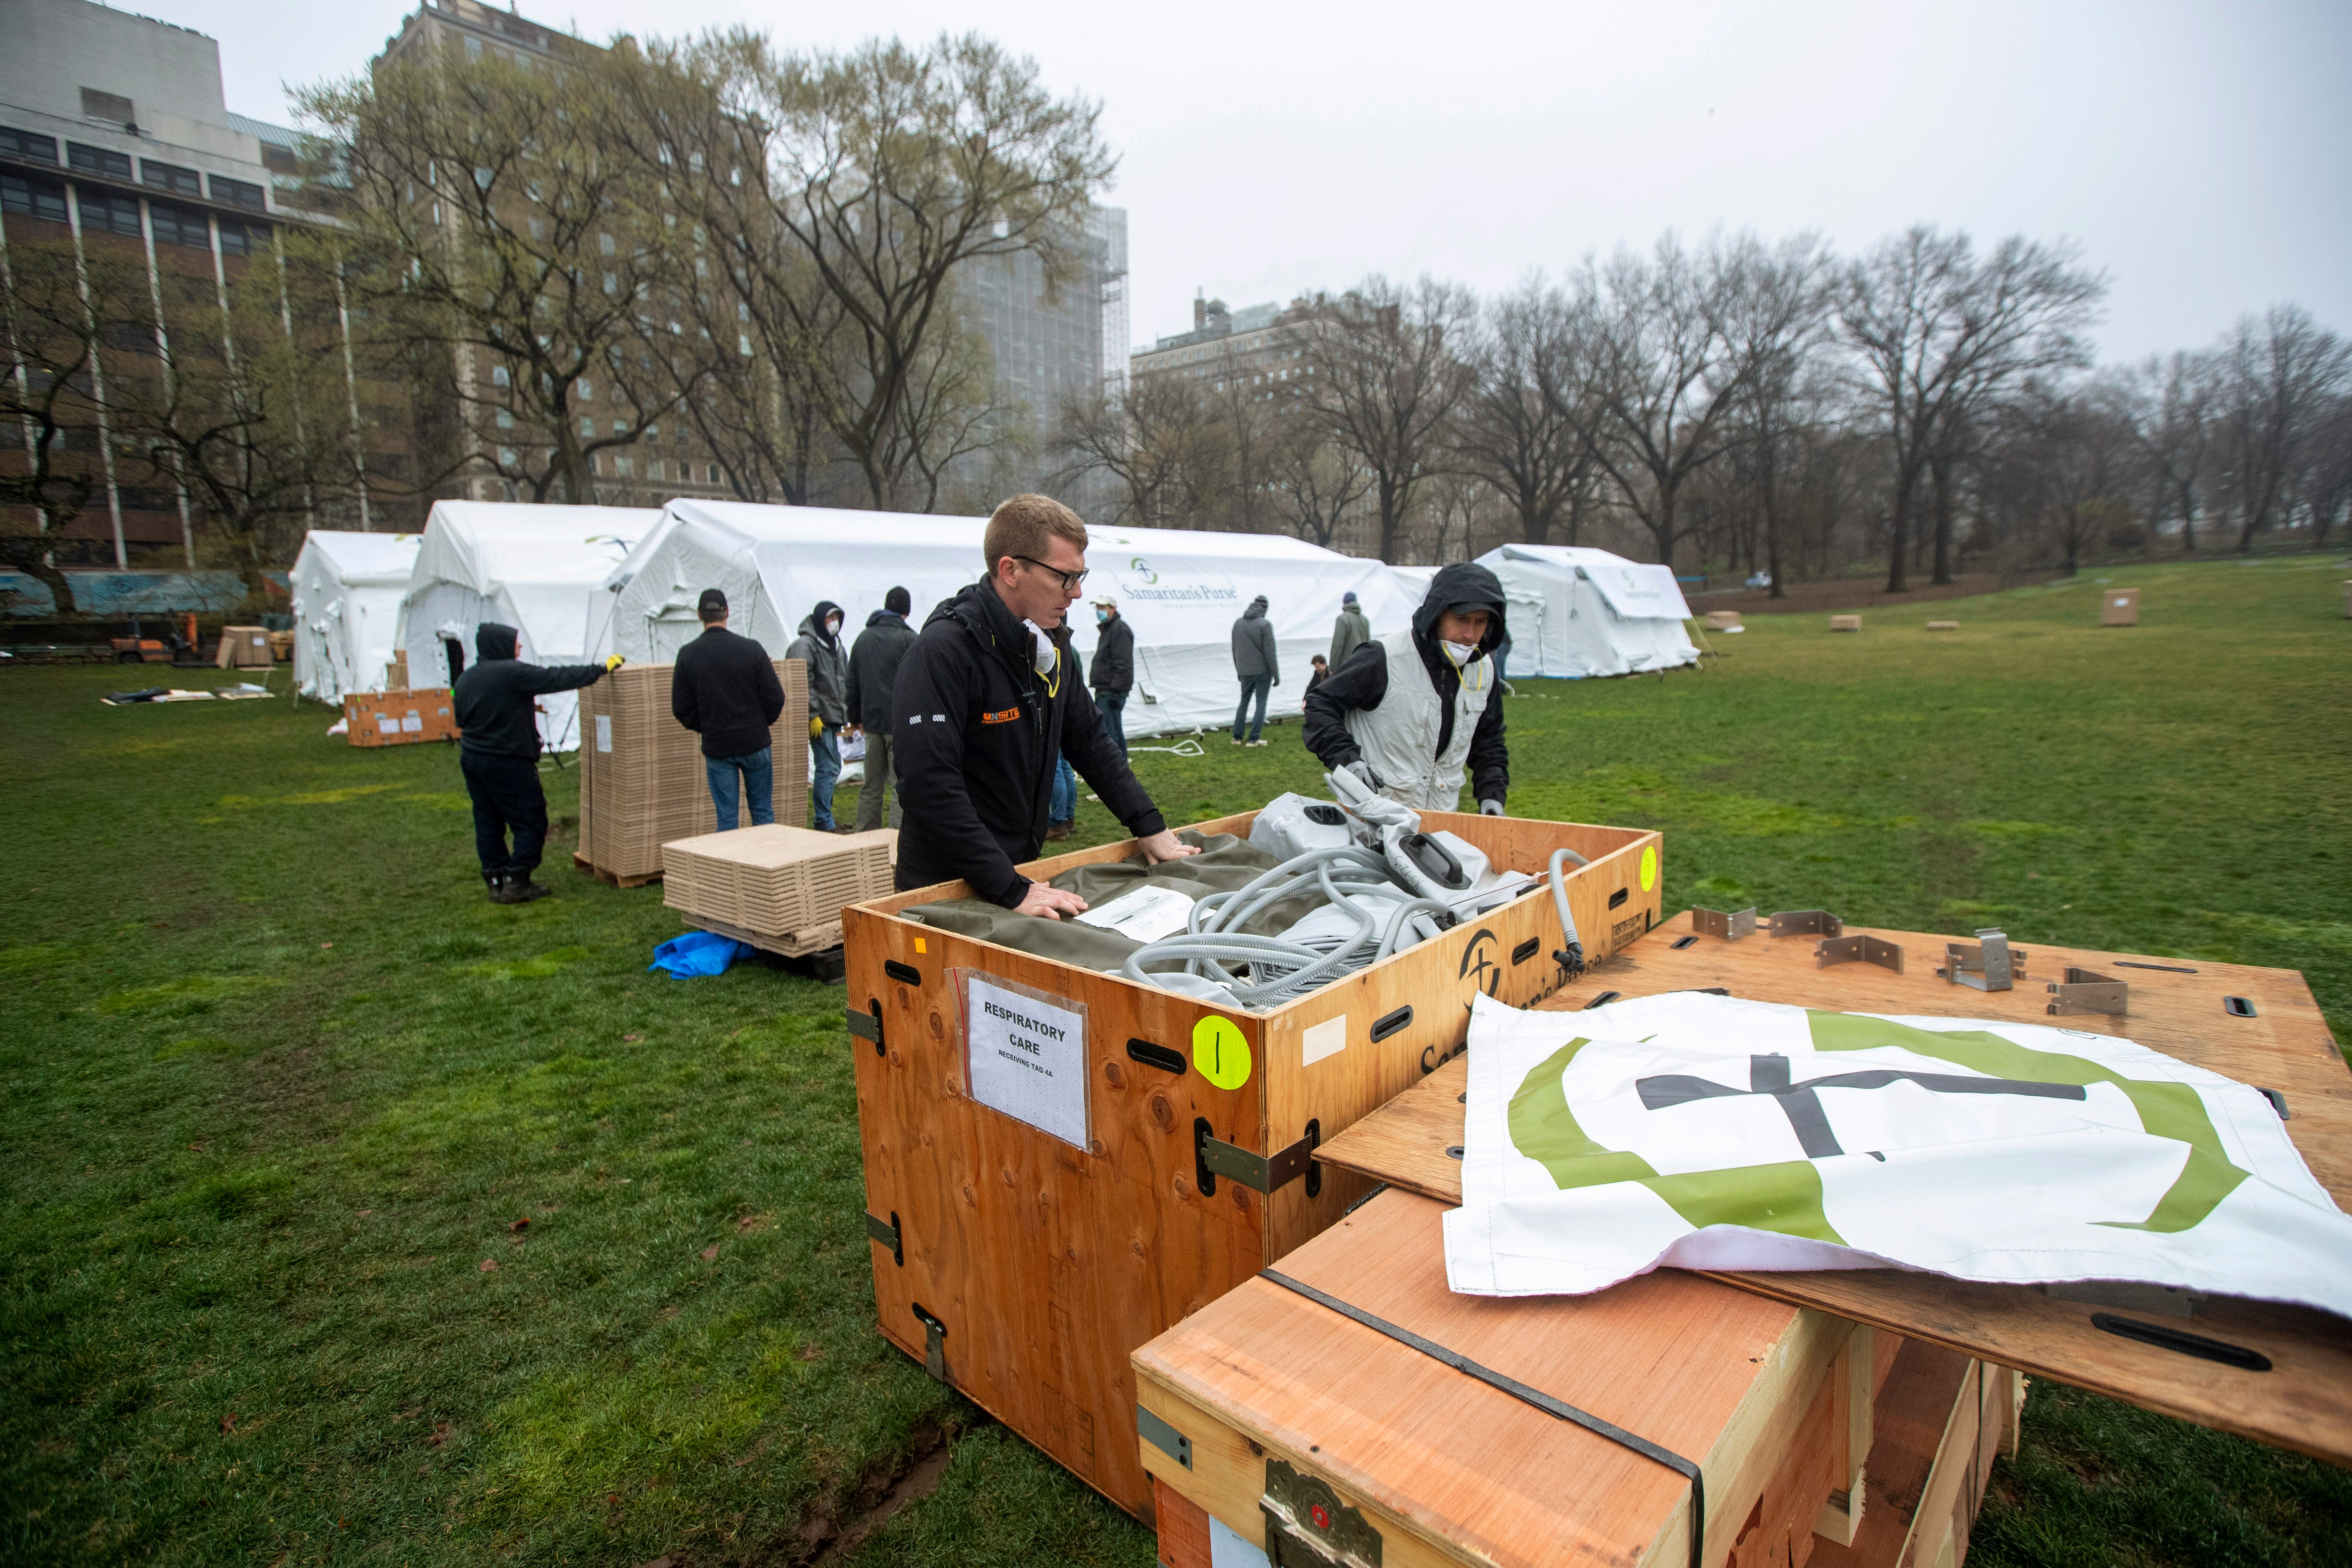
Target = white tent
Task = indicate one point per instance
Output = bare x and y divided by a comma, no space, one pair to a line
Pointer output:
1180,591
347,589
1574,612
541,569
1416,580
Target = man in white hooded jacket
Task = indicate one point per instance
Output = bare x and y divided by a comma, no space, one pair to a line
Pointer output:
1411,712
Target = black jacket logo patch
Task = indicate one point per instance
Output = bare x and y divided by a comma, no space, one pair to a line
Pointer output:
1001,716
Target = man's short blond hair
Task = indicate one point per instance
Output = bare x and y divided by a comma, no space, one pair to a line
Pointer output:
1022,525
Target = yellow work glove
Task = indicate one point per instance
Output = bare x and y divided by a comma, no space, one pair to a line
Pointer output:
817,729
613,662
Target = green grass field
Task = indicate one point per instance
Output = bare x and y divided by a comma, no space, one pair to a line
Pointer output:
281,1089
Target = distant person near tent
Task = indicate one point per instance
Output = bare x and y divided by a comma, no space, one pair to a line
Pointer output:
1350,631
874,662
724,689
1318,670
499,754
986,703
1062,811
1255,666
1114,668
819,647
1409,709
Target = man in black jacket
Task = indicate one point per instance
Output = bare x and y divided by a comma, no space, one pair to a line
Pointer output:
874,661
1114,668
724,688
985,703
1409,709
499,754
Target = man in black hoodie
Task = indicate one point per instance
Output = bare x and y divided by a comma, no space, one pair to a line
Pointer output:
819,647
874,662
986,701
724,688
499,754
1408,710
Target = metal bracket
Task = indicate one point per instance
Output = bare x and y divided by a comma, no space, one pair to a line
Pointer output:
1807,923
1731,928
935,1349
867,1026
1163,1437
2085,992
1988,963
1259,1173
1858,949
886,1233
1306,1525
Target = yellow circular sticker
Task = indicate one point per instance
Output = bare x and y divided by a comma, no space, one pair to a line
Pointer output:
1649,866
1220,1052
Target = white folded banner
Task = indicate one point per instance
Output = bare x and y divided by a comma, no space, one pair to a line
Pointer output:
1707,1132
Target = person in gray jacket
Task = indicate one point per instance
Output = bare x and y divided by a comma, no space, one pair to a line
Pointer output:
873,671
819,647
1350,632
1256,667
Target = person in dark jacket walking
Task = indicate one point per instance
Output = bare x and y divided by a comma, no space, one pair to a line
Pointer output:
724,688
873,671
1409,709
984,706
819,647
1114,668
1256,667
1350,631
499,754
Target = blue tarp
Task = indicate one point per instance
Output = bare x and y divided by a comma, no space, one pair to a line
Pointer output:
699,953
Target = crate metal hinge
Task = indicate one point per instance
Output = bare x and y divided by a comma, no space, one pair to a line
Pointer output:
1163,1437
866,1025
886,1231
1259,1173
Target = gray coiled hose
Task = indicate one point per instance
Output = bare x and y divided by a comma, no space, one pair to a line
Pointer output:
1570,957
1281,971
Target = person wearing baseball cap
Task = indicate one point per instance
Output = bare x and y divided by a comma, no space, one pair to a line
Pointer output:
724,688
1114,674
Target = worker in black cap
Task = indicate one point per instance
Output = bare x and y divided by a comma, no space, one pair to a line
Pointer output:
1408,712
724,689
499,754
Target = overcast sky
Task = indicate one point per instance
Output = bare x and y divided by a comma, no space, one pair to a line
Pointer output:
2197,154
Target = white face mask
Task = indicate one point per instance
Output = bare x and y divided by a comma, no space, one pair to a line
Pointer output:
833,627
1461,653
1043,656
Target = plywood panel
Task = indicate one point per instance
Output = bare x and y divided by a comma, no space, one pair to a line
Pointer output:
2305,1403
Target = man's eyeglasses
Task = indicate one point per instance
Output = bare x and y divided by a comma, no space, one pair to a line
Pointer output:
1070,580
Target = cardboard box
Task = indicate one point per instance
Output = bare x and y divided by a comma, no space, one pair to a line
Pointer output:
1943,626
399,717
642,779
1845,623
1316,1433
2119,606
281,645
1023,1265
1722,620
245,648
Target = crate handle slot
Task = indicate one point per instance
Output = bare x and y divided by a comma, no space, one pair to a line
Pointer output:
889,1235
867,1025
1313,1170
1153,1056
1680,943
1202,1177
1525,951
1603,1000
935,1349
2183,1341
1382,1027
904,973
1617,898
2238,1007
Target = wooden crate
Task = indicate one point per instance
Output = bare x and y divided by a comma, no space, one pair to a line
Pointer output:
1722,620
1024,1267
399,717
2119,606
244,648
1286,1420
2256,1025
1845,623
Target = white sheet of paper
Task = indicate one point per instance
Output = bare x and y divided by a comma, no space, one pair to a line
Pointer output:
603,732
414,724
1147,914
1027,1058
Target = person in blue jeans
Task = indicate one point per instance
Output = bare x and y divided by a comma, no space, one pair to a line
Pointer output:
1062,806
819,646
1255,667
724,688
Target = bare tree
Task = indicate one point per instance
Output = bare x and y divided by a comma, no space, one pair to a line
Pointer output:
885,170
1774,306
1159,437
1940,333
1525,425
2278,376
1384,382
1316,485
2170,400
49,400
951,413
492,218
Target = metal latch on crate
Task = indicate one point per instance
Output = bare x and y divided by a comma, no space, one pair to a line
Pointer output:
2086,990
866,1026
1259,1173
886,1231
1988,963
1731,928
1163,1437
1306,1525
935,1349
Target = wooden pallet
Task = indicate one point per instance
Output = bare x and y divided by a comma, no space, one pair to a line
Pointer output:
804,943
582,863
2177,1008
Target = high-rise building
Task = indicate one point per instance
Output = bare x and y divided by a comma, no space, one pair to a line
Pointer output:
1259,347
115,143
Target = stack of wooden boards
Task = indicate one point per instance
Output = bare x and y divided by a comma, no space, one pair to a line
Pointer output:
1346,1402
642,782
778,887
398,717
